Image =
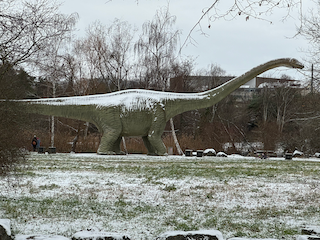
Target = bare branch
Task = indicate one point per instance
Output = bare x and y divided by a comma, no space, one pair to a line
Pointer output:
256,9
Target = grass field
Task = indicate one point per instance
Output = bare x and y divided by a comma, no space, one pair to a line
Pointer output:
144,196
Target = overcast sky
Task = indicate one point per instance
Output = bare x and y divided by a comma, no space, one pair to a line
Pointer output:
236,46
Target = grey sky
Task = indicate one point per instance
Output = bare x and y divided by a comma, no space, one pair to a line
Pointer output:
236,46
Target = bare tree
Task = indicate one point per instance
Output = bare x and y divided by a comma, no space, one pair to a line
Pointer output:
27,29
310,30
284,99
120,38
215,73
107,51
54,64
157,49
305,124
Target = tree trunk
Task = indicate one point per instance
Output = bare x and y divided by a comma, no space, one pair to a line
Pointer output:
180,152
52,132
86,130
124,145
76,138
52,117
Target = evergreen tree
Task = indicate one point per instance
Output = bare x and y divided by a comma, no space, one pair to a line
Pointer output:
14,84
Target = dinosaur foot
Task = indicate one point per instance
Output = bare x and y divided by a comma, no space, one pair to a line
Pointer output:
152,154
106,153
121,153
111,153
156,154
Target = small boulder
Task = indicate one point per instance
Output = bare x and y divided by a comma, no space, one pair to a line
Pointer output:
209,152
243,238
40,237
317,155
89,235
192,235
5,230
308,237
297,153
222,154
311,230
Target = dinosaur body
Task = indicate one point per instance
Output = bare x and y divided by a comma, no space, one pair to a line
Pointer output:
140,112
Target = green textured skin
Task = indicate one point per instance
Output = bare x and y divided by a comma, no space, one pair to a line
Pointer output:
147,116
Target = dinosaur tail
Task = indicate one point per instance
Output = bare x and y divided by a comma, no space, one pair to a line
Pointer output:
53,107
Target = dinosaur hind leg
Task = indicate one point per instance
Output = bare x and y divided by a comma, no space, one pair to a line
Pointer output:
110,141
157,144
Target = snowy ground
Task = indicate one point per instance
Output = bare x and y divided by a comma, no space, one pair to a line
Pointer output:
143,196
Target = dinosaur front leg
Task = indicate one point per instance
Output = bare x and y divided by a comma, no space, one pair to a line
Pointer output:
151,149
157,144
116,146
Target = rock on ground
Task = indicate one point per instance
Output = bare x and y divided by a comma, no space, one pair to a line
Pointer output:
192,235
89,235
309,230
5,230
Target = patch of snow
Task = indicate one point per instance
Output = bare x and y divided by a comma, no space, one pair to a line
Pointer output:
236,156
307,237
5,223
290,83
244,86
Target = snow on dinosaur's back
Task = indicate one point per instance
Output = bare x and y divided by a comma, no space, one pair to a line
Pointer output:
131,99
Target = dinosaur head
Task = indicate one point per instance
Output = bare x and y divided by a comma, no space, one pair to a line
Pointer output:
294,63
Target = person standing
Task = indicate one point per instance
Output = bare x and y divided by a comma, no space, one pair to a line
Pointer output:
35,143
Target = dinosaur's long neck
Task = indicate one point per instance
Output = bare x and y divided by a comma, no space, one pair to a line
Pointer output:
211,97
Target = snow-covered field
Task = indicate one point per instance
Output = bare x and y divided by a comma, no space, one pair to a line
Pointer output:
143,196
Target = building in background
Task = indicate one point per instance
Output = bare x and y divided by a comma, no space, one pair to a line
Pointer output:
242,94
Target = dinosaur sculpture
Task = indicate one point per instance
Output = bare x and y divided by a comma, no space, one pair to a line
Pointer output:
140,112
